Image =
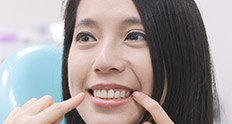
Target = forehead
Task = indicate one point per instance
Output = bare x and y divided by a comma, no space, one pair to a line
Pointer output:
114,10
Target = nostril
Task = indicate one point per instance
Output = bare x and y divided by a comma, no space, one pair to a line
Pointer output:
106,70
114,69
97,70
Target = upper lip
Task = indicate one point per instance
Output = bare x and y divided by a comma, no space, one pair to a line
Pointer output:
107,86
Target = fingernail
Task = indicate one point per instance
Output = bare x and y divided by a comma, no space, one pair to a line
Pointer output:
136,94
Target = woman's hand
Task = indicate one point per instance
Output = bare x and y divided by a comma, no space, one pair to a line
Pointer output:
43,110
153,107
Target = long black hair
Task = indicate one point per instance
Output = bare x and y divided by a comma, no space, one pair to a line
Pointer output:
179,49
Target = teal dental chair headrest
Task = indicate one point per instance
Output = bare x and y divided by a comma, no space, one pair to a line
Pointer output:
30,73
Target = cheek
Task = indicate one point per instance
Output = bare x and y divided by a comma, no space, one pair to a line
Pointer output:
78,69
143,68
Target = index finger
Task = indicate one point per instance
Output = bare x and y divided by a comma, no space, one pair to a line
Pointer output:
57,110
71,103
153,107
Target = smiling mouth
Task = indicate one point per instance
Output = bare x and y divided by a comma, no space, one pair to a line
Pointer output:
110,92
109,95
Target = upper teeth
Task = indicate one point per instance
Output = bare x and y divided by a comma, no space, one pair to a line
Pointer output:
111,94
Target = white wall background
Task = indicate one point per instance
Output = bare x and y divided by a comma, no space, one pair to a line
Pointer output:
217,15
21,14
26,17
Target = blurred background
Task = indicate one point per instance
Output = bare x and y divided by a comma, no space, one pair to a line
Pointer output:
29,22
26,23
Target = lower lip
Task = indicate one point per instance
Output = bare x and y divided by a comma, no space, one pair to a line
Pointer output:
109,103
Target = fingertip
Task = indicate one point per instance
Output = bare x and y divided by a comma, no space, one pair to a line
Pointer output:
147,122
136,94
81,94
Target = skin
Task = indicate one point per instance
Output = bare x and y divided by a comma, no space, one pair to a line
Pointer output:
43,110
105,54
108,56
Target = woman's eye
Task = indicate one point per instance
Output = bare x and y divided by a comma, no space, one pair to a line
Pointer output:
136,36
85,37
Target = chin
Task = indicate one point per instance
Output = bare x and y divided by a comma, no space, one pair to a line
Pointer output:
112,119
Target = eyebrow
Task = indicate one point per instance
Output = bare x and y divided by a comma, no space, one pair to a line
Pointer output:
132,21
86,22
127,22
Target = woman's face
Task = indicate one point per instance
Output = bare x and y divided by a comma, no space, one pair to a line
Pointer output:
108,60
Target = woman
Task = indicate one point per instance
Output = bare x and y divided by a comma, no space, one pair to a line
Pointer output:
125,59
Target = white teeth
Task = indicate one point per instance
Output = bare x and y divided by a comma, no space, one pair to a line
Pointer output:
99,93
110,94
127,94
104,94
117,94
95,93
122,94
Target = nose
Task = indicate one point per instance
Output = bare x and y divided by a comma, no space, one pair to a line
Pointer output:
108,61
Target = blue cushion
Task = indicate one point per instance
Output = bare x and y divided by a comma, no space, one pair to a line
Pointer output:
30,73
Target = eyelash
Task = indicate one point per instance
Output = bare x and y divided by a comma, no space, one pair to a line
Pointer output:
142,36
85,35
138,36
